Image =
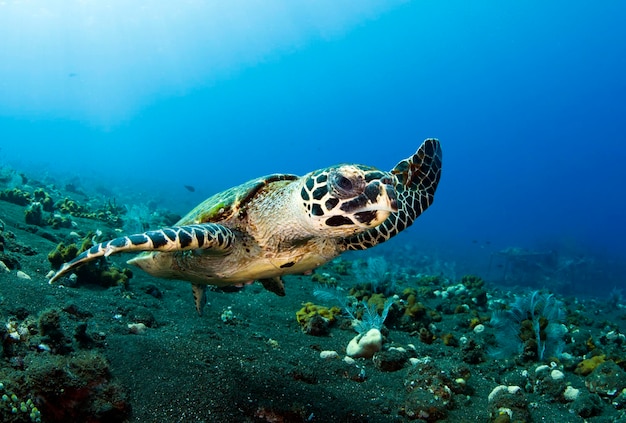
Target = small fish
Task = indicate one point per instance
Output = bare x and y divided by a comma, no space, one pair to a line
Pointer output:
190,188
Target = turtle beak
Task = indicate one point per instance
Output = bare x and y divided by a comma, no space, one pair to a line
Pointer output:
391,204
381,202
376,196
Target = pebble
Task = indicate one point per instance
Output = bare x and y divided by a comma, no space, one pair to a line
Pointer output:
349,360
137,328
479,328
4,267
571,393
326,355
512,390
542,370
22,275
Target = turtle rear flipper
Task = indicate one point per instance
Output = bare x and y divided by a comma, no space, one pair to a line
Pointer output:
275,285
177,238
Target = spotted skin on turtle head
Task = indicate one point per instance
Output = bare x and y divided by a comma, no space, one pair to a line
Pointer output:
348,196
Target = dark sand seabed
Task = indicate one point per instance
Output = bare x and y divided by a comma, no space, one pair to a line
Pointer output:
70,351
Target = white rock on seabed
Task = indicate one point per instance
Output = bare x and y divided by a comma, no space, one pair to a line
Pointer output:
557,374
22,275
571,393
542,370
513,389
365,345
479,328
349,360
327,355
4,267
137,328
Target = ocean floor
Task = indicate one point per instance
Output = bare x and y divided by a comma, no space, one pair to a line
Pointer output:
115,348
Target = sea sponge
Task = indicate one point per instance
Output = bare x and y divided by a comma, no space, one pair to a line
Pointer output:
413,308
377,300
587,366
324,279
114,276
310,310
15,196
449,340
365,345
71,207
426,336
472,281
62,254
428,280
33,215
44,198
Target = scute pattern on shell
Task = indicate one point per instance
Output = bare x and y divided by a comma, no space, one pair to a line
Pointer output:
226,204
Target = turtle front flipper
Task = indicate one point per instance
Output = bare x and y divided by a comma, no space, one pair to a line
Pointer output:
177,238
416,180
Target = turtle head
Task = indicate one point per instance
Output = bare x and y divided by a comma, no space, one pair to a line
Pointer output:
347,199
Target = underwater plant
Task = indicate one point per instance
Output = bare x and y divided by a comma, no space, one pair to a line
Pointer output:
137,219
370,319
616,298
532,324
377,272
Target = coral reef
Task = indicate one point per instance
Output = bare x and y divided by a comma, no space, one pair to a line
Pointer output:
13,409
110,212
76,388
62,254
52,380
43,198
16,196
424,349
33,215
97,272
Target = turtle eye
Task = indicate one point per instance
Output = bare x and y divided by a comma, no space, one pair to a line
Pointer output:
345,185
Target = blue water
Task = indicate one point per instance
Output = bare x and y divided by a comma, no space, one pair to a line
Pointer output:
526,97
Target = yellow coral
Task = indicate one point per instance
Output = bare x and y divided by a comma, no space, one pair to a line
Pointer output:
474,322
587,366
449,340
414,309
409,291
324,279
309,310
378,300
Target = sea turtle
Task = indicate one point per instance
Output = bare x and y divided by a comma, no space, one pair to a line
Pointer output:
282,224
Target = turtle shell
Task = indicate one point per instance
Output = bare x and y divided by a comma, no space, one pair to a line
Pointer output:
226,204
